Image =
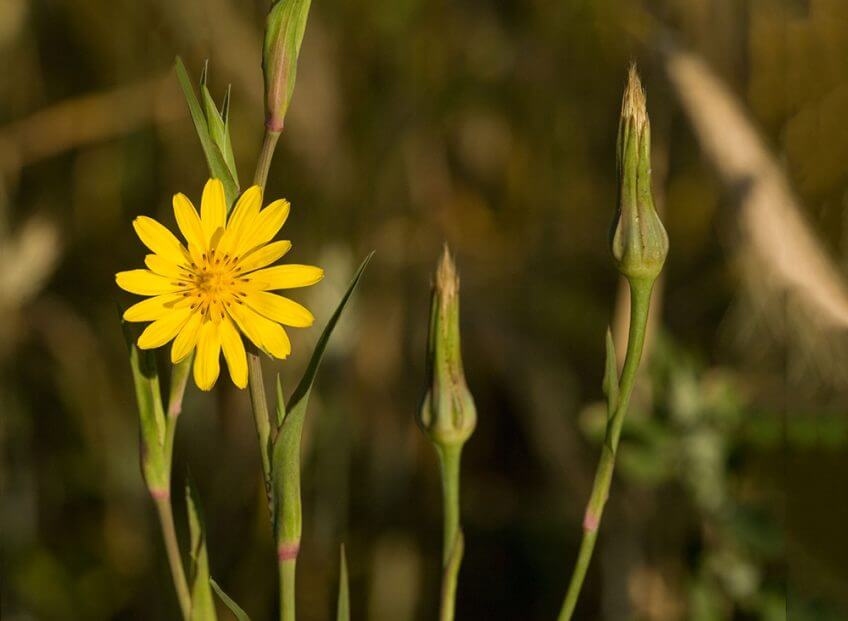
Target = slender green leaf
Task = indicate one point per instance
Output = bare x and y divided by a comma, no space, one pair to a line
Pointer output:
281,403
150,411
179,380
213,118
343,607
214,157
303,389
610,385
194,109
146,380
204,73
218,132
225,107
237,611
286,450
202,604
229,157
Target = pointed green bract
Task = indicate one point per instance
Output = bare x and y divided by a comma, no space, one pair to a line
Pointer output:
234,608
202,604
215,159
286,449
343,606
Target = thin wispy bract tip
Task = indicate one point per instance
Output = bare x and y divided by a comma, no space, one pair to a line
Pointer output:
447,279
633,103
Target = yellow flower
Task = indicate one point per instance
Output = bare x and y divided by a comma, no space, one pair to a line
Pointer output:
209,292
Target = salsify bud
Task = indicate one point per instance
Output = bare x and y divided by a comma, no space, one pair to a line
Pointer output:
283,35
447,415
638,238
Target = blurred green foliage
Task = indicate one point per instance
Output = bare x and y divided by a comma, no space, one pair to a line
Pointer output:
487,124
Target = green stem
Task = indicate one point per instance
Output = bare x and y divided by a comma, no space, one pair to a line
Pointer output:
259,407
172,547
269,143
287,595
287,559
452,548
162,499
255,380
449,458
179,379
450,574
640,301
170,434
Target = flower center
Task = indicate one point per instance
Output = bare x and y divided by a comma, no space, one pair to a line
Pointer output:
213,281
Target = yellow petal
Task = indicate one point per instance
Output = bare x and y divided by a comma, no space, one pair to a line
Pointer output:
264,255
285,277
163,330
269,221
164,267
238,313
196,253
234,353
145,282
279,309
247,205
159,239
189,222
241,219
213,209
266,334
187,338
207,364
152,309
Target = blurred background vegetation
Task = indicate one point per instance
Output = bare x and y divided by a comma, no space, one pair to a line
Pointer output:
490,125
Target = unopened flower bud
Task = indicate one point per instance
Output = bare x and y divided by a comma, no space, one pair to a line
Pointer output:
283,35
448,415
638,239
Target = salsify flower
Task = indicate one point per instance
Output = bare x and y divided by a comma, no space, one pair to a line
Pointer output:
216,287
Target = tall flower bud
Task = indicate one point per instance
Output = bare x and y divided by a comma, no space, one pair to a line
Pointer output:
284,30
447,415
638,239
